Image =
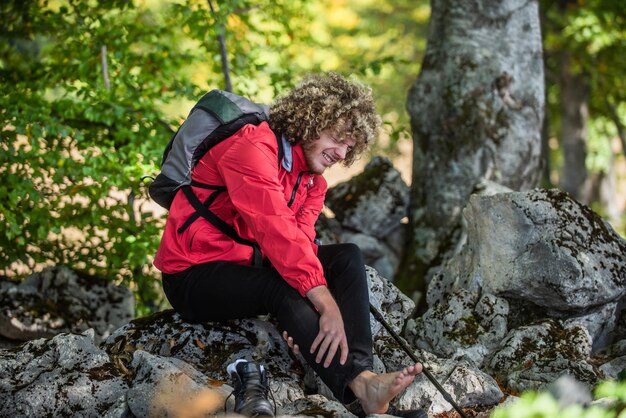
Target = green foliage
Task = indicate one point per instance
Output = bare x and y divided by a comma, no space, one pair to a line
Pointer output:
93,90
543,405
592,33
88,86
74,147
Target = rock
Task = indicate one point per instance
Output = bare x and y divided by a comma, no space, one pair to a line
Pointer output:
373,202
467,385
163,386
613,360
600,323
612,369
153,365
533,356
210,347
569,391
386,265
537,287
395,306
60,300
67,375
462,328
546,254
562,256
376,253
316,406
328,230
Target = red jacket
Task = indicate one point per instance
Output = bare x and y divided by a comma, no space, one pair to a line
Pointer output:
264,203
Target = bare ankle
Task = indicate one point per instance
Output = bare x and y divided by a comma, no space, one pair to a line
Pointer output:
359,384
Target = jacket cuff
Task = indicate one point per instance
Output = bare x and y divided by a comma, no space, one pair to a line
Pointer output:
303,288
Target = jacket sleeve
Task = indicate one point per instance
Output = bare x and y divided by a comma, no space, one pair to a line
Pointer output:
310,211
249,168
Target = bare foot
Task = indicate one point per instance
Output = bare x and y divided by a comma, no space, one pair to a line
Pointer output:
375,391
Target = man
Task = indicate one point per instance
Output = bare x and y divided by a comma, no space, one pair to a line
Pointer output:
318,294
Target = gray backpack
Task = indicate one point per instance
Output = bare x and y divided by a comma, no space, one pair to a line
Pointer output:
216,117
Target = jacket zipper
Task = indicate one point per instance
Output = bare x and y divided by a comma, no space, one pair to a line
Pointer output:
295,189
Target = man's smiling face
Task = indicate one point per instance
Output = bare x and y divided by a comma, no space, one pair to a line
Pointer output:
326,151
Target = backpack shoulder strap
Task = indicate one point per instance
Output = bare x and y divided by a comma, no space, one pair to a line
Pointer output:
206,213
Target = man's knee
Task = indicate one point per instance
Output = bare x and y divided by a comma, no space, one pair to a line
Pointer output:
352,253
341,259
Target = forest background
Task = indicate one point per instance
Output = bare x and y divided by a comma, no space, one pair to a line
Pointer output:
93,90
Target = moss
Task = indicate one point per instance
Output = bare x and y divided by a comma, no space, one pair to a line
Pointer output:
591,232
468,332
105,372
316,411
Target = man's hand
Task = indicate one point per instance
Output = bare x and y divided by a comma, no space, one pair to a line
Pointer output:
292,345
331,336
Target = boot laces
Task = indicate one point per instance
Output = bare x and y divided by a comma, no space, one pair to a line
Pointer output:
252,388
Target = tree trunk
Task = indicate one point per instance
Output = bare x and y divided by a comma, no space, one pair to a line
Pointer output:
476,114
574,120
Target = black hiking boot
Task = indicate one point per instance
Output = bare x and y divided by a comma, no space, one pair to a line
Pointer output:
251,389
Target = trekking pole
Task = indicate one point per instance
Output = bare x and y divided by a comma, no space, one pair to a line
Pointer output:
407,349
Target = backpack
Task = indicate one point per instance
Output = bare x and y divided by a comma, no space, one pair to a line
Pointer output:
217,116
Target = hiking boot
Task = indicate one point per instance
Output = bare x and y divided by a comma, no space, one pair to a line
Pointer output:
251,388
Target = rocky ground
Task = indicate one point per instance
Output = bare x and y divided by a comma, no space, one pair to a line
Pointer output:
531,300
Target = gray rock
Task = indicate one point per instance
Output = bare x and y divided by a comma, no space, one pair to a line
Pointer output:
386,266
328,230
600,323
612,369
316,406
162,386
396,240
210,347
60,300
395,306
371,247
67,375
535,355
613,359
561,256
372,202
450,330
546,254
368,211
569,391
376,253
467,385
154,364
462,328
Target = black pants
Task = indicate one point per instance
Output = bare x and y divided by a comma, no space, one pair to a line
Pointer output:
223,290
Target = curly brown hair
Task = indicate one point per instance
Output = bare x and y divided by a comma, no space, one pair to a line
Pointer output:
327,101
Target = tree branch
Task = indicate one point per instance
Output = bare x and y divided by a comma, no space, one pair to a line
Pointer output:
221,38
105,67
